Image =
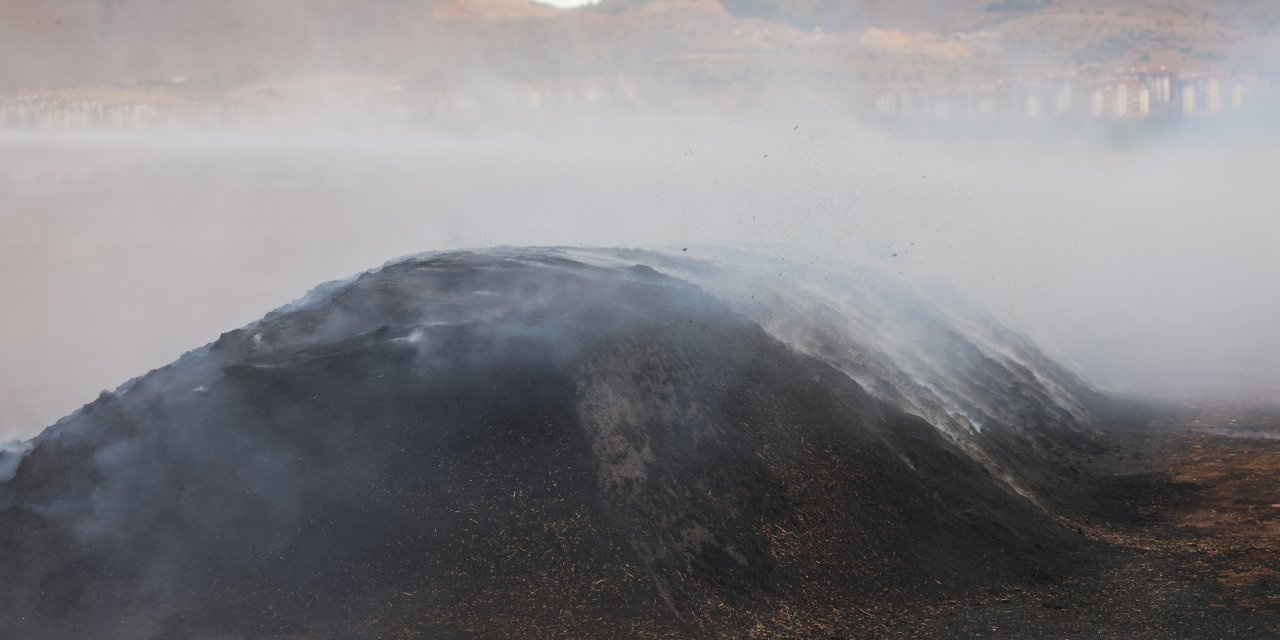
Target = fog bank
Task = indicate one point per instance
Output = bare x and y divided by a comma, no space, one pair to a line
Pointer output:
1150,266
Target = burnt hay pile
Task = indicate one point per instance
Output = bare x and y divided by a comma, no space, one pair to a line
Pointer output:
545,443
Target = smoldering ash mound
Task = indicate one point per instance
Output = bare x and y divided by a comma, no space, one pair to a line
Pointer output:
552,443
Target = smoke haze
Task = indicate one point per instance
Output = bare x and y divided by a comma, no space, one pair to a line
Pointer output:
1147,262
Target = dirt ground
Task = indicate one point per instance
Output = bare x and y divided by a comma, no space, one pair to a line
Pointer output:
1232,522
1187,544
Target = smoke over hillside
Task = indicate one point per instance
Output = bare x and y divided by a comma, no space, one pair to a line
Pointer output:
797,318
93,42
1146,268
547,442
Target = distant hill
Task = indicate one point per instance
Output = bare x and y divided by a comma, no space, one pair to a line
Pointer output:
122,41
941,16
958,15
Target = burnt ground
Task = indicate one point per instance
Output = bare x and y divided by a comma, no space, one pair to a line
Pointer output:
522,445
1184,539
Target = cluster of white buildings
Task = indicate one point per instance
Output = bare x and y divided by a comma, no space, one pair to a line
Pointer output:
44,110
1130,95
1163,93
292,108
37,110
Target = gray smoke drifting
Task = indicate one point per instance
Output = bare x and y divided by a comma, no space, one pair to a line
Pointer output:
11,454
1147,262
1151,269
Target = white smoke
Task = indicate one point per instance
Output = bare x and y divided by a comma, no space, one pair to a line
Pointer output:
11,456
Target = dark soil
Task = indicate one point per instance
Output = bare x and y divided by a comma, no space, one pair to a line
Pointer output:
522,445
1185,542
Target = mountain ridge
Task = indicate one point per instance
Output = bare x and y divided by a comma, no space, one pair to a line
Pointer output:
114,41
